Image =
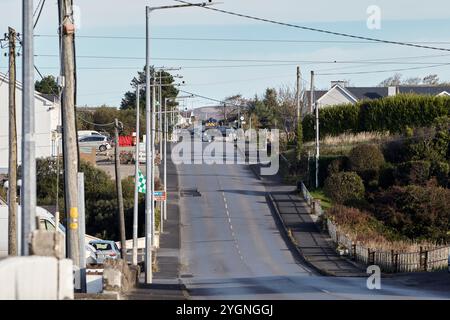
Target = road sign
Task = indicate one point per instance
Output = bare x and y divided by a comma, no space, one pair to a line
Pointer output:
160,195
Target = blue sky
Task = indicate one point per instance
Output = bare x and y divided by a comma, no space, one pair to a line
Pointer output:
103,81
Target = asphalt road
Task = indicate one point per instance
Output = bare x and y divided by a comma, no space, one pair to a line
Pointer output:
231,246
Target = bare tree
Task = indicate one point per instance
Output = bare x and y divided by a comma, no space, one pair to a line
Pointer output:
414,81
287,110
395,80
432,80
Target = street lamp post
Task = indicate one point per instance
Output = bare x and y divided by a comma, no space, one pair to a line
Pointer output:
28,190
148,162
136,183
149,152
165,134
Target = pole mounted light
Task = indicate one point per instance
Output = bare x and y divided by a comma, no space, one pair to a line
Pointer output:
150,133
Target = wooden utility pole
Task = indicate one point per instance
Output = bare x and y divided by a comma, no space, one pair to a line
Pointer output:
67,32
315,105
311,94
12,167
299,89
123,241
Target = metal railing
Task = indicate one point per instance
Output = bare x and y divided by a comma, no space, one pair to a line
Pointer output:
313,204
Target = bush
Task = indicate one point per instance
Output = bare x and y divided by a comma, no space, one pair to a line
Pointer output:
332,121
337,165
100,196
360,225
395,151
344,187
324,163
366,160
387,175
413,172
440,170
418,212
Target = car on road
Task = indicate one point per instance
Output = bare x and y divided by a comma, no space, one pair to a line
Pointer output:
206,137
228,133
99,142
105,249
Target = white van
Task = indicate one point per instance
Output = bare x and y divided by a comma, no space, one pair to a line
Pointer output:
46,220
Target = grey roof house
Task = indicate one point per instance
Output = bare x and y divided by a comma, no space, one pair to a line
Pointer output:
340,93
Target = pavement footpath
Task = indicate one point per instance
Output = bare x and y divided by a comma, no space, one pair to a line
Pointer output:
166,284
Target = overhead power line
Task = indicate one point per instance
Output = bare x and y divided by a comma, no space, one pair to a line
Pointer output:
211,99
233,39
96,124
375,61
39,14
383,71
335,33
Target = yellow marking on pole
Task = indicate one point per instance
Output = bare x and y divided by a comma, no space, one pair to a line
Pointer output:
74,212
73,226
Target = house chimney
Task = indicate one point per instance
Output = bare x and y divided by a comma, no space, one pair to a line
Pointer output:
341,83
392,91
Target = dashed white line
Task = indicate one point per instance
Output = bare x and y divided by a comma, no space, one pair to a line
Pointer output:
231,227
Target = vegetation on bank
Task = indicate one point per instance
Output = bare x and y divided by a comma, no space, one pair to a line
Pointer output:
392,192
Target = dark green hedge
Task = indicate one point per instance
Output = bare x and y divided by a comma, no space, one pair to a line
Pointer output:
392,114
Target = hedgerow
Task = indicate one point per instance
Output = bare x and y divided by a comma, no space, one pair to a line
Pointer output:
393,114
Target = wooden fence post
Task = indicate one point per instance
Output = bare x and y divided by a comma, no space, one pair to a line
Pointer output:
396,262
423,259
371,256
392,261
354,251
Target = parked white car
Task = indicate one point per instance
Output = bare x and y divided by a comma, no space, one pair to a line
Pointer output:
46,220
91,255
105,250
83,133
100,143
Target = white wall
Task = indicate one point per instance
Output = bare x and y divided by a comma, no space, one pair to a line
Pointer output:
47,119
334,97
36,278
